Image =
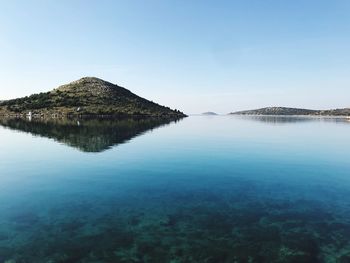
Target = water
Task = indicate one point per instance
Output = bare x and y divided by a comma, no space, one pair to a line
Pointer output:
203,189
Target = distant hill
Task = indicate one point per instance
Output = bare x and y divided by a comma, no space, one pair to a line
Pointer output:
294,111
335,112
209,113
87,96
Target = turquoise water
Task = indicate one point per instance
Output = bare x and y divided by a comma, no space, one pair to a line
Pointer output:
203,189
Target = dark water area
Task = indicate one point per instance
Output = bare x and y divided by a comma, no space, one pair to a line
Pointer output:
202,189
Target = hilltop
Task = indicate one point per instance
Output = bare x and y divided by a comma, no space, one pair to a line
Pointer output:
294,111
87,96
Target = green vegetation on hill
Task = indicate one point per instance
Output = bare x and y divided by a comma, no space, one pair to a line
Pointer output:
294,111
87,96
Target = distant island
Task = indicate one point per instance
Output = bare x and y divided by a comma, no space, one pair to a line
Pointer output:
87,96
209,113
293,111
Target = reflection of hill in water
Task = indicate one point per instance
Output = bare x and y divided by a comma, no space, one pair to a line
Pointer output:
292,119
87,135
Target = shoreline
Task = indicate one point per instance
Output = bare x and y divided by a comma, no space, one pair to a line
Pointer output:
304,116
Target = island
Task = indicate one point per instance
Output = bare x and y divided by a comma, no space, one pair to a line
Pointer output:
294,111
88,96
209,113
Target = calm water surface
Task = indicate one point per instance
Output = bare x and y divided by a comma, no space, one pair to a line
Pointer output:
203,189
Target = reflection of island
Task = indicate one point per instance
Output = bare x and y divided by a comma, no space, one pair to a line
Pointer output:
87,135
291,119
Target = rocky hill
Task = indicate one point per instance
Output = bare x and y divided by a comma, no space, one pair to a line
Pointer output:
86,97
294,111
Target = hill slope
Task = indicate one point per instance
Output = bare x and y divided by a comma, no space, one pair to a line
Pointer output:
86,96
294,111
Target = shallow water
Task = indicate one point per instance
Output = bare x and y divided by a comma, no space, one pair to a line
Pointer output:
204,189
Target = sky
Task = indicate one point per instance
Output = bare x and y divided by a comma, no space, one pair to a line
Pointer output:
192,55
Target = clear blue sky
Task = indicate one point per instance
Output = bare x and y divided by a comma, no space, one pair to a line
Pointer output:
192,55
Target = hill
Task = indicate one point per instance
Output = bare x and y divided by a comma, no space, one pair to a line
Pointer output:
294,111
210,113
86,97
335,112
